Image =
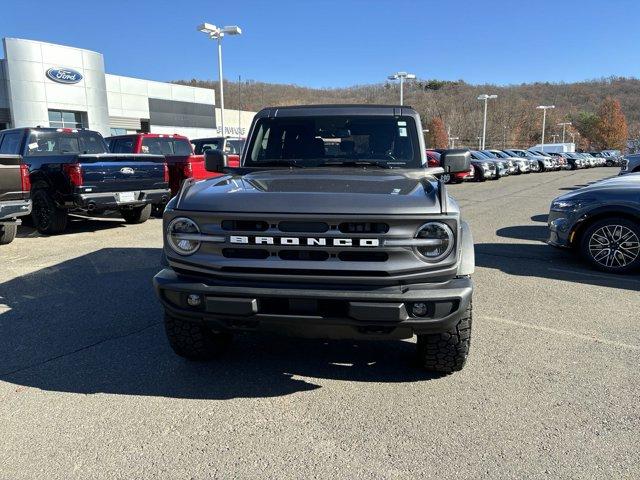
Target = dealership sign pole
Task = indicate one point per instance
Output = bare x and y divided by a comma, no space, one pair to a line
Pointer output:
544,120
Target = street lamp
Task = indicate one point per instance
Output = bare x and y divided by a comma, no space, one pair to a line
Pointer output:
452,141
564,126
216,33
485,97
402,76
544,109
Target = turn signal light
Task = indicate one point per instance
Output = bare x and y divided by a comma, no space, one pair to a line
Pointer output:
74,173
24,177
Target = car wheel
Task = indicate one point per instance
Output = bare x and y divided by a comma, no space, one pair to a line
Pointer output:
446,352
137,214
612,245
47,217
8,233
194,340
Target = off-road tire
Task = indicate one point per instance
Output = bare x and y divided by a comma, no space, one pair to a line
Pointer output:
137,214
195,341
591,229
446,352
47,217
8,233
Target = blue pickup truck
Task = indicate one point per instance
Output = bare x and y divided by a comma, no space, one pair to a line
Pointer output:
72,171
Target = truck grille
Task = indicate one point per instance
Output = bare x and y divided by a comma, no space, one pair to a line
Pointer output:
310,245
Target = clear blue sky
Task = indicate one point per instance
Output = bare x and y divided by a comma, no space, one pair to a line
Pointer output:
345,42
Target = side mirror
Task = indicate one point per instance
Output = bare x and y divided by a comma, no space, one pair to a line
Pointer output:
215,161
455,161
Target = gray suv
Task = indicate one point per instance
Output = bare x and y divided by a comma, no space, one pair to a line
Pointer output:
602,221
332,226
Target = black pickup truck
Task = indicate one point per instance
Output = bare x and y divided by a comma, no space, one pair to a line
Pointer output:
72,171
14,194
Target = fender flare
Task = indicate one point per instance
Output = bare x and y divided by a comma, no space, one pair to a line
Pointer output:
467,263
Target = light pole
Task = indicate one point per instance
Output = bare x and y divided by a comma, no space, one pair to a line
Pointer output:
452,141
216,33
544,109
402,76
485,97
564,126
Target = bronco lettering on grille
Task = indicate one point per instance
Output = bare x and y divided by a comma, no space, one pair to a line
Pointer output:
307,241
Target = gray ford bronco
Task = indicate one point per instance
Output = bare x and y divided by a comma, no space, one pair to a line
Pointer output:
332,226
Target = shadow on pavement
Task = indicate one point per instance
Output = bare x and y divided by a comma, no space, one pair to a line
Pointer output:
543,261
76,224
93,324
525,232
540,218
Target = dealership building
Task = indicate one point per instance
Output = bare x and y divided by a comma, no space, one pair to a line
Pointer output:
43,84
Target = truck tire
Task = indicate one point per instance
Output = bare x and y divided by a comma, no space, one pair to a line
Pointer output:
8,233
446,352
137,214
47,217
193,340
600,245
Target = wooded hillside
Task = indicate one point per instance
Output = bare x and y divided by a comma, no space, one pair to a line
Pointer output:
512,118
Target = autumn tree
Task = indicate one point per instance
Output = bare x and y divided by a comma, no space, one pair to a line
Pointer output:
586,123
437,135
611,129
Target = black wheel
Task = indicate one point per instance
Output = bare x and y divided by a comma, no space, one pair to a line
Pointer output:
8,233
136,214
479,176
47,216
446,352
612,245
194,340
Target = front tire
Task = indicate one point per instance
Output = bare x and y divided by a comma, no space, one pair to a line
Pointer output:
137,214
612,245
193,340
48,218
8,233
446,352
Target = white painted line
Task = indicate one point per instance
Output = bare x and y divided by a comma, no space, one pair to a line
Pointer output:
566,333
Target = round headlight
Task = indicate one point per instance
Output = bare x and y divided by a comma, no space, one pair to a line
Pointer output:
438,241
178,239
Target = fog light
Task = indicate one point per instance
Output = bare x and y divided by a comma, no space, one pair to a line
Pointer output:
419,309
194,300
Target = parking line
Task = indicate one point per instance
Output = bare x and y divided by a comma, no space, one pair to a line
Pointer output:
542,328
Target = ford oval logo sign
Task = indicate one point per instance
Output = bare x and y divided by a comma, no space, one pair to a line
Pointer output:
64,75
127,171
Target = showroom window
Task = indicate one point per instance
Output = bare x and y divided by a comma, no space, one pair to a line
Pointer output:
65,119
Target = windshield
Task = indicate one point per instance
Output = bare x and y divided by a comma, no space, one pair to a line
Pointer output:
65,142
489,154
338,140
166,146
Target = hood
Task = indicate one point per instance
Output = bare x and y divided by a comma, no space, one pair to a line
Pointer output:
627,182
323,190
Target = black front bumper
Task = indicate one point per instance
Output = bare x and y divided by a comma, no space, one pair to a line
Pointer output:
316,310
9,210
109,200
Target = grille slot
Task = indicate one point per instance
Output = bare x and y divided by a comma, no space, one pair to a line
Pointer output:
297,271
245,225
363,227
313,255
300,227
254,253
363,256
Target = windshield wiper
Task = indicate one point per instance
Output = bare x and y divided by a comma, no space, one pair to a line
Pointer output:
278,163
355,163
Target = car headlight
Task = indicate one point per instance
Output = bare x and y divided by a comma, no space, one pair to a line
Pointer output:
485,166
568,205
180,236
435,241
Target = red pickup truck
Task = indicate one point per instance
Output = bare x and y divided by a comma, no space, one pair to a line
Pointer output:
177,150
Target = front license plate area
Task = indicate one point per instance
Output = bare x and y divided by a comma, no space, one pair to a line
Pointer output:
126,197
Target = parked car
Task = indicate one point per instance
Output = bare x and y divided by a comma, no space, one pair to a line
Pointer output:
539,164
357,243
15,188
522,165
232,146
177,151
613,157
556,164
602,222
501,167
630,164
512,168
575,161
433,160
73,171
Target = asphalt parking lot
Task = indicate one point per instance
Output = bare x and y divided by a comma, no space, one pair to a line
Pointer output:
89,387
